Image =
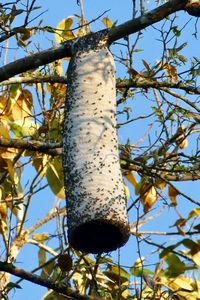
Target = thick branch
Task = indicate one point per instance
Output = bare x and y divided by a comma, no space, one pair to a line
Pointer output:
65,49
149,83
144,83
48,148
145,20
56,149
35,60
59,288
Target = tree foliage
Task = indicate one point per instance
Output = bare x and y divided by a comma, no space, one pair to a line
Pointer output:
158,125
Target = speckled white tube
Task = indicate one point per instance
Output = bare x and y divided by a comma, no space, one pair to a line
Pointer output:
96,205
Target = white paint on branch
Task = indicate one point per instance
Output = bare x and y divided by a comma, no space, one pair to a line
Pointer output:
95,191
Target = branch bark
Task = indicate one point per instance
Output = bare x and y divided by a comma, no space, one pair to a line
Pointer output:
33,145
143,83
56,149
114,34
59,288
152,17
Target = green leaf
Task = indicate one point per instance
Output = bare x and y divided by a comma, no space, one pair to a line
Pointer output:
176,31
47,271
146,65
139,272
181,46
117,274
23,128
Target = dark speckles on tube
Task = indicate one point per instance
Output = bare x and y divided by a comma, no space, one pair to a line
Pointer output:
96,204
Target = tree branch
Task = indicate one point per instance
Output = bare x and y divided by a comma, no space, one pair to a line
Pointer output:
33,145
36,60
149,83
55,149
65,49
143,83
152,17
59,288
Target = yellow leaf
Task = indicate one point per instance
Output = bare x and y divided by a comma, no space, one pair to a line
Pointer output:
195,212
196,257
40,162
183,144
22,107
81,32
107,22
127,193
58,67
3,227
55,178
63,32
181,141
3,210
148,196
4,129
173,193
41,237
170,70
160,184
183,282
23,128
131,179
8,154
78,278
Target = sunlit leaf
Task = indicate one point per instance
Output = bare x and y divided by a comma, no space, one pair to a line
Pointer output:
194,213
81,32
41,237
40,162
80,281
63,32
23,128
58,67
127,192
4,129
170,70
3,210
55,178
194,250
130,177
183,282
173,193
22,107
148,196
107,22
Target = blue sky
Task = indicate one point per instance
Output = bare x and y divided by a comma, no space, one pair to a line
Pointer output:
120,11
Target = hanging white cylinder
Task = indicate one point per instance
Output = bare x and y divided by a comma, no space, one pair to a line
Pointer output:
96,203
